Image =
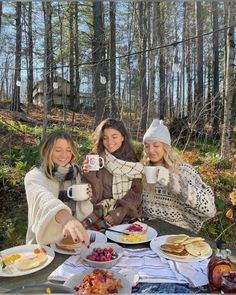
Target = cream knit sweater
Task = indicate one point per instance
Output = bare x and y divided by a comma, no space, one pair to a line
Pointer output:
186,201
43,204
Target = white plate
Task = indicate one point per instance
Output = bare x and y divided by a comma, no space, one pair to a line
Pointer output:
26,249
78,278
151,234
157,242
100,237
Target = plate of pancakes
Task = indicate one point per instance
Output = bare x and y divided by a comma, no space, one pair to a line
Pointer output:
30,258
181,247
68,247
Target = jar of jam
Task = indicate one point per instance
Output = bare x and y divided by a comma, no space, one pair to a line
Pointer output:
217,265
228,282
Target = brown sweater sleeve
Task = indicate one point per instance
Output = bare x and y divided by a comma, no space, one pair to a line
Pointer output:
129,205
97,186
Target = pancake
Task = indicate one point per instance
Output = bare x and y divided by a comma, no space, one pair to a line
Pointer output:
183,255
176,239
172,248
198,248
191,240
30,261
68,244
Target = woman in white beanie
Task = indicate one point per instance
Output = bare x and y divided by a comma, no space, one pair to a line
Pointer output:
179,195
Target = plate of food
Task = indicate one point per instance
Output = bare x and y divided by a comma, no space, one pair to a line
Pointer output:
134,233
99,281
181,248
25,259
69,247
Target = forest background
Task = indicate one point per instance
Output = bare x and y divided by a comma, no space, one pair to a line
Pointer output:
71,64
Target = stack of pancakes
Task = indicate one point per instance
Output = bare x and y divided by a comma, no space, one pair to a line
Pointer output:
68,244
183,246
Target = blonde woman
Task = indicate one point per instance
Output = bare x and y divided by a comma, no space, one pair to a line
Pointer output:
51,214
179,196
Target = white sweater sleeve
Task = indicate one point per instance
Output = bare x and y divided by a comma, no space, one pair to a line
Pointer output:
188,185
43,205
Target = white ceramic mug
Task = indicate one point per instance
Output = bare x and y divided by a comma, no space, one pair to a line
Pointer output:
95,162
151,174
78,192
163,175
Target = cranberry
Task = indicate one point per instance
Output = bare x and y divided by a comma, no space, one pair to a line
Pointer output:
99,254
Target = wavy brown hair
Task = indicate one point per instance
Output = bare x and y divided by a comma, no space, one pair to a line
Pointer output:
126,152
47,149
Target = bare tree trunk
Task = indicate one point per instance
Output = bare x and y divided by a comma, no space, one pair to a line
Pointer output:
47,63
152,69
77,54
229,84
188,67
15,105
199,84
142,64
210,101
48,95
0,17
100,67
161,64
216,98
30,78
71,57
64,94
113,107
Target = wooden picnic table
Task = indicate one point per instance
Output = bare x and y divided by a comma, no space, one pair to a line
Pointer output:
41,276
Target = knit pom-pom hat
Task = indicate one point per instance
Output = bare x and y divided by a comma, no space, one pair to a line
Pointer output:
157,132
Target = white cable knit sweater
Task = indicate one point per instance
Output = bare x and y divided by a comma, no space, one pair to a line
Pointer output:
186,201
43,204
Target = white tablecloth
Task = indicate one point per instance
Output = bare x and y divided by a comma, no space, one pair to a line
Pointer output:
148,265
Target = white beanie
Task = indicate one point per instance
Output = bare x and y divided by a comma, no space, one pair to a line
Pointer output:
157,132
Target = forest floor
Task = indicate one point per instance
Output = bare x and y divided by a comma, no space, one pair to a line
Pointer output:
17,133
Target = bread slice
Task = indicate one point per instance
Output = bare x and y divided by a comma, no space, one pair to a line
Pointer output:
137,228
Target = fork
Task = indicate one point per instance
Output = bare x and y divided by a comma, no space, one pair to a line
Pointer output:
3,263
92,237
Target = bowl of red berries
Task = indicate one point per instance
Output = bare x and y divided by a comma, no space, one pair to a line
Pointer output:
102,255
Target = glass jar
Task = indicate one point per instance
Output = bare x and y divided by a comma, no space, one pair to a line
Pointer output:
228,282
217,265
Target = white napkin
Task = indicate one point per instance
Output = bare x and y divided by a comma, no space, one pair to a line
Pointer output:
147,264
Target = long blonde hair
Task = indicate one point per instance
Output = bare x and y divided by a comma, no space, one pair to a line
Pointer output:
47,149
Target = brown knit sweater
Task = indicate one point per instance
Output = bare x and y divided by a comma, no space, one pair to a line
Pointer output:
128,206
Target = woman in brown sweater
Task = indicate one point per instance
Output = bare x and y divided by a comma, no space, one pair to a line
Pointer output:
117,187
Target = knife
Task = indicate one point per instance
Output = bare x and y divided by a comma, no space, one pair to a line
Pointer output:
116,231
